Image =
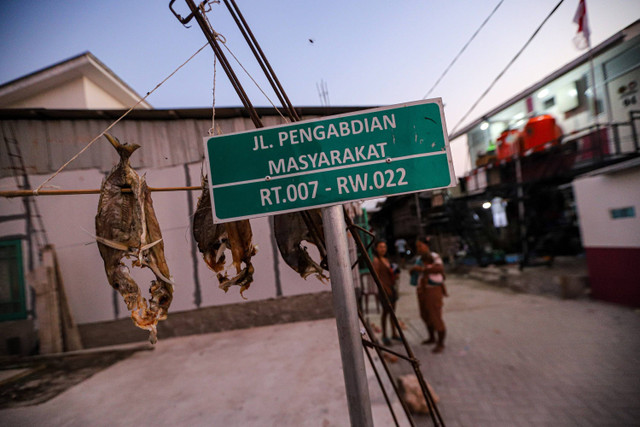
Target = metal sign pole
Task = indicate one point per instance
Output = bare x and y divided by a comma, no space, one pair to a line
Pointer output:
346,312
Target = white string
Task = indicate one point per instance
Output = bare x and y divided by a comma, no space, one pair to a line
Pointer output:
222,40
213,102
35,192
213,90
286,119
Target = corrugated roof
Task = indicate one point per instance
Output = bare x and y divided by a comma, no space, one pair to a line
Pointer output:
48,138
163,114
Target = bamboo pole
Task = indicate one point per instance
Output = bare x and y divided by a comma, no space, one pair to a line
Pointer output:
26,193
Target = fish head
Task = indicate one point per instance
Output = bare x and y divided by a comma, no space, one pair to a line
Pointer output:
161,297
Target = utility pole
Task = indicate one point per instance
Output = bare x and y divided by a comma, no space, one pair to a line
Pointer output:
346,311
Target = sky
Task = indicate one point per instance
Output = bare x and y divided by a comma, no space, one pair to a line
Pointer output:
368,53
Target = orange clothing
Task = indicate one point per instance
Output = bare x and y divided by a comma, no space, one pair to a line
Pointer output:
431,298
387,276
430,303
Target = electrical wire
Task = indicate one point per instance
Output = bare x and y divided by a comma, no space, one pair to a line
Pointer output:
475,104
223,41
462,50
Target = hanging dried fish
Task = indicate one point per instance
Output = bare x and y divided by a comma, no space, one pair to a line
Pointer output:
126,227
292,230
214,239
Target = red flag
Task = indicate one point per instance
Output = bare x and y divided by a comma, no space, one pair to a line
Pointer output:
581,40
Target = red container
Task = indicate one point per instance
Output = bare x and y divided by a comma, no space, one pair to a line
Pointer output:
540,131
508,144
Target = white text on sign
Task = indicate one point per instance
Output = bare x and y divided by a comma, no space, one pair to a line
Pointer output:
350,184
346,128
327,159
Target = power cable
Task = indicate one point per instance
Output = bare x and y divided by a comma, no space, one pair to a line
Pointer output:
462,50
475,104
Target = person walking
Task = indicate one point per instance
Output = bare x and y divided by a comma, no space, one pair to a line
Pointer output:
401,250
431,292
388,277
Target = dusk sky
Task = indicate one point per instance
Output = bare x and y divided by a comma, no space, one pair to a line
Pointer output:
369,53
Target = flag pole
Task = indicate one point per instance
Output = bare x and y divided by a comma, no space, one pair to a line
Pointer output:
584,34
594,92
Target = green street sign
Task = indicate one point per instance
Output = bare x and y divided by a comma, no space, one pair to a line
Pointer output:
368,154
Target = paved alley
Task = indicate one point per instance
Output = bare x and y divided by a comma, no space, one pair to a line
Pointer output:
515,359
510,360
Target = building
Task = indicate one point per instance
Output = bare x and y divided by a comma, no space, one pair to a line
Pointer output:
81,82
518,203
520,196
608,201
49,116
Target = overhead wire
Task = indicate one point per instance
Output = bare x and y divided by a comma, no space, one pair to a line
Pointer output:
463,49
475,104
261,58
255,82
219,37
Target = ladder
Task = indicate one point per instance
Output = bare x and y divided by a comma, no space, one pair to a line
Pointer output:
36,235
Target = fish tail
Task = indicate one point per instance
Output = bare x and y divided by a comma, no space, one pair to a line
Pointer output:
124,150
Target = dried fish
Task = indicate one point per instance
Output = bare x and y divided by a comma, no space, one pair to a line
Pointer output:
214,239
126,227
292,230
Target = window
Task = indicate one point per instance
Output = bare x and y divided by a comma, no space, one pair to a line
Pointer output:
550,102
628,212
12,296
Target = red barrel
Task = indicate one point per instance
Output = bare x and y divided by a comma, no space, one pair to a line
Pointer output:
540,131
508,144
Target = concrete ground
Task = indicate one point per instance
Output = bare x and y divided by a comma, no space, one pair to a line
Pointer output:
282,375
511,359
516,359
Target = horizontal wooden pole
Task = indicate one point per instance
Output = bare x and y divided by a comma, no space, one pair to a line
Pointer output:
26,193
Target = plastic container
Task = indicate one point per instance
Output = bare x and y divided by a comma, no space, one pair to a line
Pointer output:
508,144
540,132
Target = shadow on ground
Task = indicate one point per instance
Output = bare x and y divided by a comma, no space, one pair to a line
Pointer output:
32,381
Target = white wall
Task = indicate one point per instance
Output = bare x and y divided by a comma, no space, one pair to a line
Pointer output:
67,95
79,93
97,98
596,196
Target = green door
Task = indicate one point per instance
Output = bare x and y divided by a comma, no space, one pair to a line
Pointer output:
12,295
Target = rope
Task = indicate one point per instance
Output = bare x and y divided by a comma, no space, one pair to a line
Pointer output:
224,43
35,192
221,38
462,50
506,68
213,102
286,119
